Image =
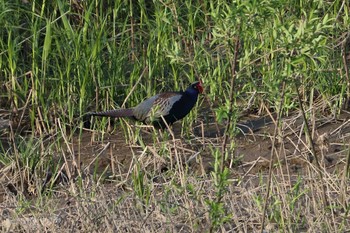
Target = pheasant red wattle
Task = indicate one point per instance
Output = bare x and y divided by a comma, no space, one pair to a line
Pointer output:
167,106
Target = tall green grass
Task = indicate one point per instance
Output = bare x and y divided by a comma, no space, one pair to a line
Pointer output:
87,56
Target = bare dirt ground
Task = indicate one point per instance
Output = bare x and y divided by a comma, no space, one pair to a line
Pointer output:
110,164
252,151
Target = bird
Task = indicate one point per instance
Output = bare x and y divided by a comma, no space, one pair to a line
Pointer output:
160,110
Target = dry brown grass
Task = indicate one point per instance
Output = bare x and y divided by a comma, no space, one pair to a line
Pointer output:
165,186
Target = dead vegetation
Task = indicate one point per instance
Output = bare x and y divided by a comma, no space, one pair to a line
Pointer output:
101,183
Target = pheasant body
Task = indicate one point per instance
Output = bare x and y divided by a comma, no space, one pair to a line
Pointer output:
167,106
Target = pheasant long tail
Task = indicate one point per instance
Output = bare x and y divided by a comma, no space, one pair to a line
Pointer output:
114,113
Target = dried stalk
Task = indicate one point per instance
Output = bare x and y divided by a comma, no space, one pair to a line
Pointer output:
271,157
312,144
229,123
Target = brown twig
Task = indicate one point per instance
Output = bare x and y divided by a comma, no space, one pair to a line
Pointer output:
133,56
229,123
277,122
346,103
206,98
344,179
133,88
312,144
213,112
